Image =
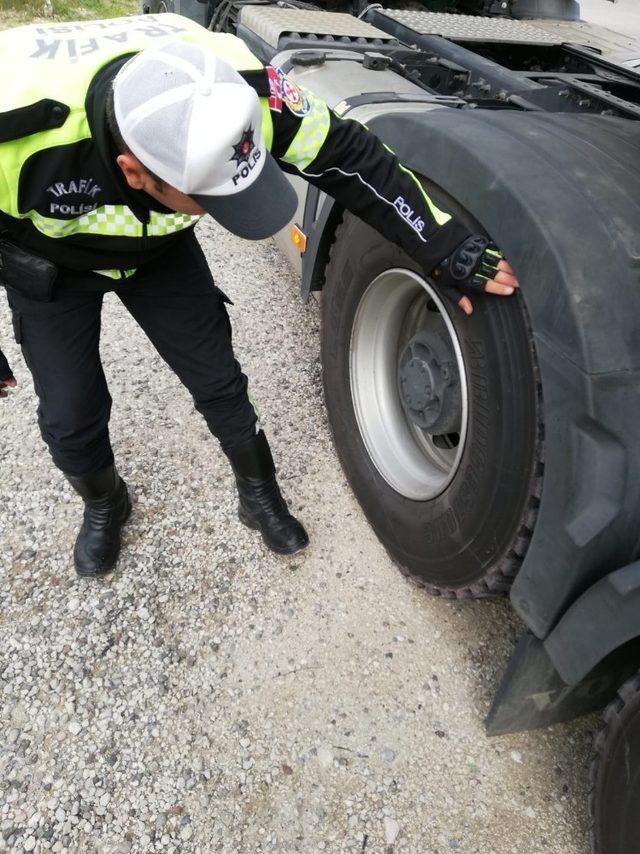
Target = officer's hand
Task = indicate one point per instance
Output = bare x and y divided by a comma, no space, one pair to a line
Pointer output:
475,267
5,385
7,380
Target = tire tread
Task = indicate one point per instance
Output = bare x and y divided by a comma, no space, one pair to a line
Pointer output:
610,724
497,582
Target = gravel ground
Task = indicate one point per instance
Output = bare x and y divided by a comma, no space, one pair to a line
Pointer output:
213,697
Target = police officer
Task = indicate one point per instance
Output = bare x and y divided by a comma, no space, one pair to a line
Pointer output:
115,137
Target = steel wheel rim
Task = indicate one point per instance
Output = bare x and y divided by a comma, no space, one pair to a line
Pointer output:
404,455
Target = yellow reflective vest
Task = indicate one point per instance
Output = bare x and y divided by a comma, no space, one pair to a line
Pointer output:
61,192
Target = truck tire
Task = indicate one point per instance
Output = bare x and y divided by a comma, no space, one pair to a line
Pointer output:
454,499
615,775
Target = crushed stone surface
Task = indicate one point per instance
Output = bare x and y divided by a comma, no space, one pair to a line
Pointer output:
213,697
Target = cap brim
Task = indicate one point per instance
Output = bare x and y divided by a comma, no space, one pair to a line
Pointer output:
259,211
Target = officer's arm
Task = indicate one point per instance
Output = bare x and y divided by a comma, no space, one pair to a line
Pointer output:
345,160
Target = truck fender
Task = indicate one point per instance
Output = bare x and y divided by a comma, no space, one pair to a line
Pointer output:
592,651
321,217
603,619
560,194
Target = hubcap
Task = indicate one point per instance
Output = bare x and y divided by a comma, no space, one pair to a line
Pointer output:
429,384
408,384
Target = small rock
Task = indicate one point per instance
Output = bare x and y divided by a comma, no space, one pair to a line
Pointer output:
186,833
29,843
391,830
75,728
325,757
388,755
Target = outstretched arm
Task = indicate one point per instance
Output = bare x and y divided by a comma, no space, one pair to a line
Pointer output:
345,160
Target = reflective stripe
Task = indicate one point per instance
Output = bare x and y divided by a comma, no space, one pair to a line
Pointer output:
108,220
116,274
312,134
112,221
161,224
439,216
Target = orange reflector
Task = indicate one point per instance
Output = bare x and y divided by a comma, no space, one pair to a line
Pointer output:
298,238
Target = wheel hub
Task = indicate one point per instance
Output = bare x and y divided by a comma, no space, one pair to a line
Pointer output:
403,348
429,384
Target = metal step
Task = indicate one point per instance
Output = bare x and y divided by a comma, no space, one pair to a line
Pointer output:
461,28
473,28
608,41
271,25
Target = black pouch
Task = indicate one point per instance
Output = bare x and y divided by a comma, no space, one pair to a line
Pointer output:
25,272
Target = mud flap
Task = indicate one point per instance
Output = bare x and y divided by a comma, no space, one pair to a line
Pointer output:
532,693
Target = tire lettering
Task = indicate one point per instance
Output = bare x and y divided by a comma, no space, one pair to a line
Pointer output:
441,528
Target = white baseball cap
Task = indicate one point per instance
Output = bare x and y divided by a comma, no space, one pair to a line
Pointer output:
191,119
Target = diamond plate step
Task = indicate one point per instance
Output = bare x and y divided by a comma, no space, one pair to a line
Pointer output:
270,24
460,28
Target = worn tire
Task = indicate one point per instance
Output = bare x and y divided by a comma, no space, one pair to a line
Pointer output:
615,775
470,540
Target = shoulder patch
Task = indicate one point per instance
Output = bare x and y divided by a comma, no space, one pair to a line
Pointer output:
296,101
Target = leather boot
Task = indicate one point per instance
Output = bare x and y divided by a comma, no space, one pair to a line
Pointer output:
106,508
262,506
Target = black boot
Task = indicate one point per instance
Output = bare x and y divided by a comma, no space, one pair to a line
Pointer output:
262,507
107,508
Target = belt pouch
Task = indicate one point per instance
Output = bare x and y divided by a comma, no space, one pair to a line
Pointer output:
25,272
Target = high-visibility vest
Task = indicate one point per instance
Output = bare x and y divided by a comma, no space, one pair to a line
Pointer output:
47,71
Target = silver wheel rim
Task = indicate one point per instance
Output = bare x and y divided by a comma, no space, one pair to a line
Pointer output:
395,306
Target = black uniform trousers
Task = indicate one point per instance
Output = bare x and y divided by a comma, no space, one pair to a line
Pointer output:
184,315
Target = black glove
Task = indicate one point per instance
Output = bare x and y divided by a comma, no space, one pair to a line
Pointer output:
467,269
5,371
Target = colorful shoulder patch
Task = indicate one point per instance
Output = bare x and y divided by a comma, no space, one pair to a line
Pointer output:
294,98
283,90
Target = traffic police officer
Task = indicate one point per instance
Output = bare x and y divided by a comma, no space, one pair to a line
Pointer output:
115,137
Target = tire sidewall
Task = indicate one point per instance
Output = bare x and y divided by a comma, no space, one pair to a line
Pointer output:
616,774
451,540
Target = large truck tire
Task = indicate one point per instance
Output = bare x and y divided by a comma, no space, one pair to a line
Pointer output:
615,775
436,416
